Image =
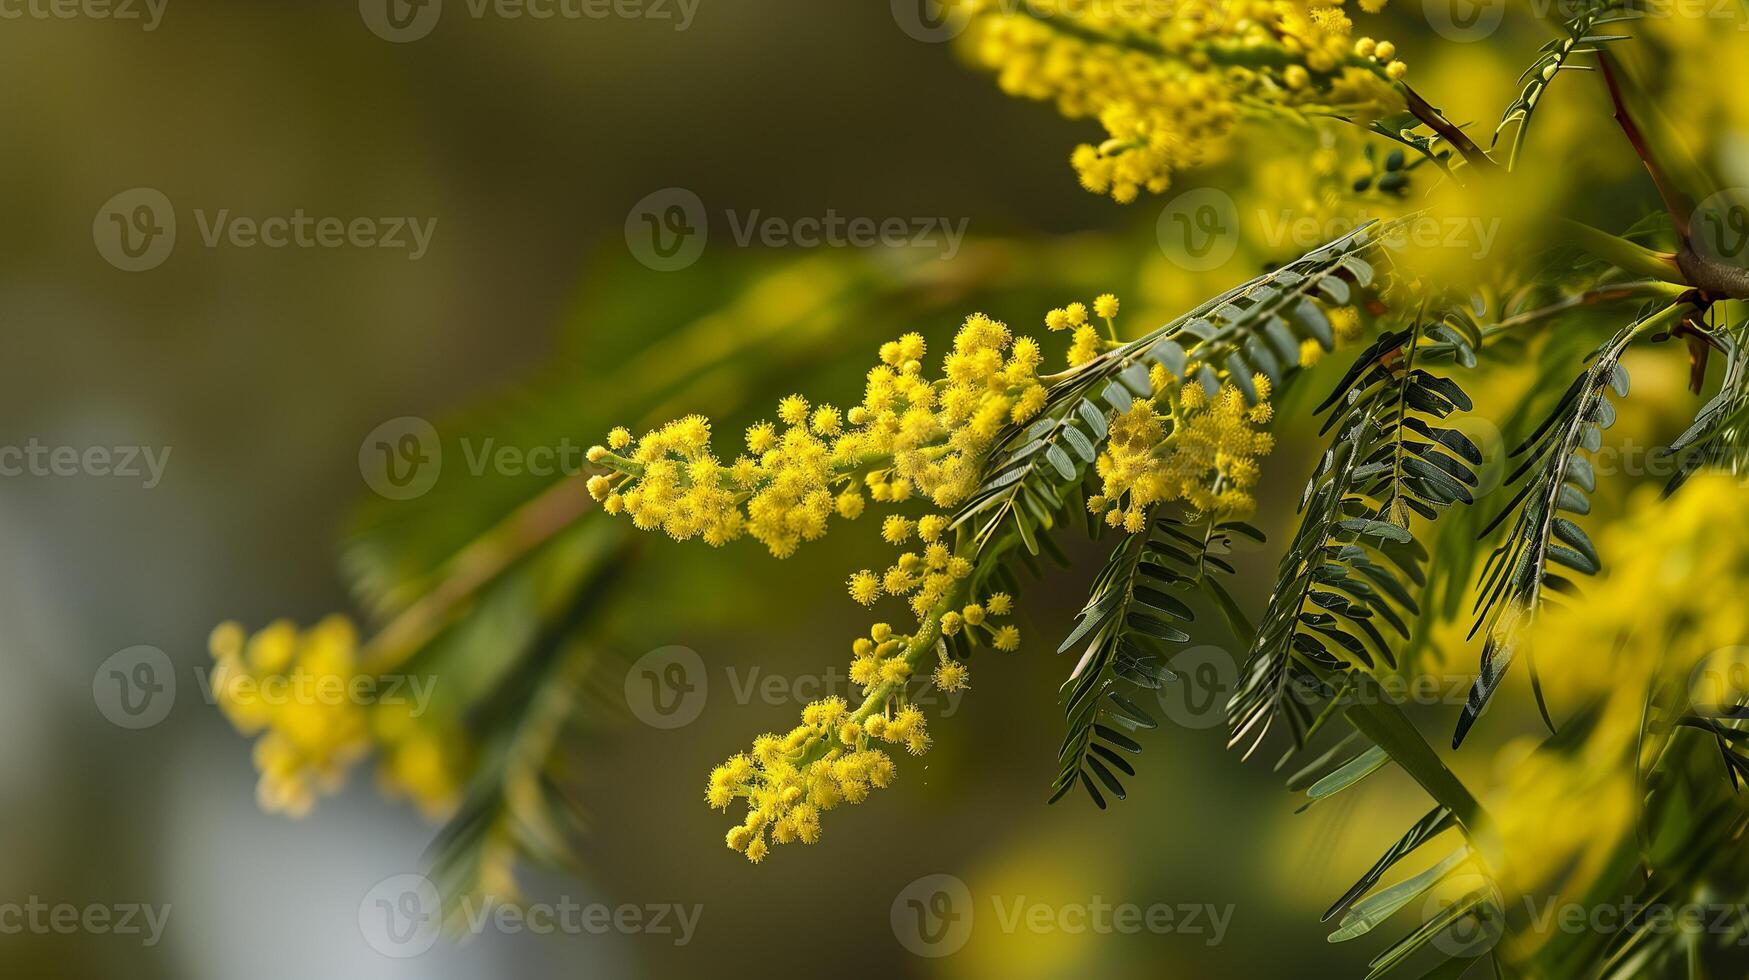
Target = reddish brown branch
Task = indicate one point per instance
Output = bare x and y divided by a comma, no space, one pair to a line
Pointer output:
1435,120
1667,193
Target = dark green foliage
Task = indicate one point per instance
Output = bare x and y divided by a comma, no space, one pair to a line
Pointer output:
1719,436
1556,480
1352,571
1136,608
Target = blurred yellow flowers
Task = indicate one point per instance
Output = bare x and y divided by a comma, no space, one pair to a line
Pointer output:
317,714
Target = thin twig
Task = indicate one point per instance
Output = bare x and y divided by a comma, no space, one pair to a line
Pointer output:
1435,120
1667,193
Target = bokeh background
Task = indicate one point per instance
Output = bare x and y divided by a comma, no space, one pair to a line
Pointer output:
261,371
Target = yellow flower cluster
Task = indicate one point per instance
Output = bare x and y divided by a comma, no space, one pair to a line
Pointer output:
420,762
317,714
1640,630
1202,451
832,756
789,781
1643,613
278,683
925,577
1087,342
910,434
1168,81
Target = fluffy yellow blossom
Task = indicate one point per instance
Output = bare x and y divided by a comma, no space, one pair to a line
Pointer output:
951,675
831,758
788,782
1206,457
279,684
1169,82
865,587
1086,346
419,762
909,434
1345,324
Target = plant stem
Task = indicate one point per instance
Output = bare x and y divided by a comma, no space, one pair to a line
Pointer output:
484,558
1435,120
1625,255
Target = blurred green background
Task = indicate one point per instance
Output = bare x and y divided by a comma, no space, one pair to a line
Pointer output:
262,370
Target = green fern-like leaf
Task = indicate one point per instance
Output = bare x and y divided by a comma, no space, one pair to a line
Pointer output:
1354,567
1557,480
1579,38
1135,608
